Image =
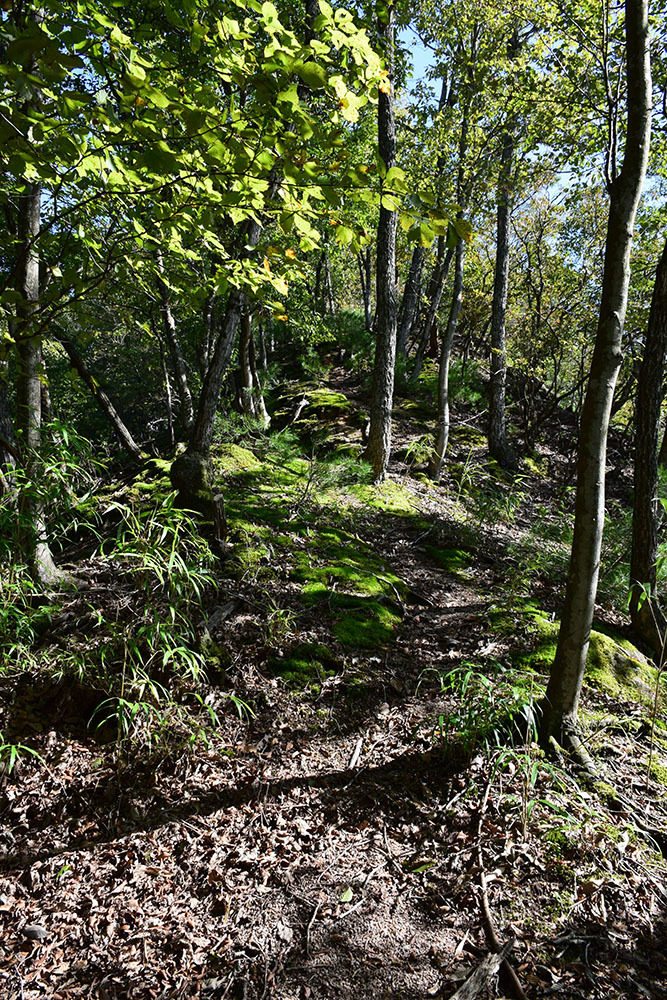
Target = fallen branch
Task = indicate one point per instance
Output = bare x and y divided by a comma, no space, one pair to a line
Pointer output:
483,974
490,929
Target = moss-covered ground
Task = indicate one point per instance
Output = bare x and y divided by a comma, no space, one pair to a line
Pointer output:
341,734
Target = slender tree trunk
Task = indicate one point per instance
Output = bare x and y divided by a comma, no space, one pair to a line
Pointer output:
263,359
497,435
364,262
105,404
206,346
438,278
202,433
410,300
328,288
8,448
442,436
318,302
260,406
559,708
29,390
167,395
647,617
662,454
247,398
379,434
177,360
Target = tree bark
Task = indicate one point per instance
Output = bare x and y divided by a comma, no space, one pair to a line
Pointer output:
105,404
247,400
382,394
442,436
177,360
559,708
410,300
8,449
206,346
436,287
647,617
497,434
330,303
261,411
364,262
167,396
32,525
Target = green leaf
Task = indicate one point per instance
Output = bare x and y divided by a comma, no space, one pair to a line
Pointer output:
395,180
344,236
464,229
391,202
312,74
346,895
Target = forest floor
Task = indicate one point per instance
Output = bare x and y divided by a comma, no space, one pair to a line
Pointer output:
340,831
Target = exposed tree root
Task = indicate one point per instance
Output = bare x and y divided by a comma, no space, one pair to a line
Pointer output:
572,755
512,982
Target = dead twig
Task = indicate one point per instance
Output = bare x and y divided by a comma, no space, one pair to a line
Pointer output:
490,930
310,927
483,974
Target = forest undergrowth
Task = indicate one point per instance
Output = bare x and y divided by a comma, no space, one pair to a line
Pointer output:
289,773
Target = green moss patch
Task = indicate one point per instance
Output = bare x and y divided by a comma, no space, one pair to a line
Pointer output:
536,465
467,437
450,560
325,403
357,570
233,459
370,626
616,666
421,412
393,498
307,664
613,665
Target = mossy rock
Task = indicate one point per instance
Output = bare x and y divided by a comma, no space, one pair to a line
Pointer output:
613,664
325,403
415,410
467,437
536,465
233,459
216,657
617,667
307,664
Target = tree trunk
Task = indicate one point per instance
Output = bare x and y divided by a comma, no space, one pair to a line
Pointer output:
379,433
167,395
364,262
261,411
436,287
559,708
442,436
105,404
32,527
8,449
330,303
647,617
247,398
497,436
169,323
410,300
206,346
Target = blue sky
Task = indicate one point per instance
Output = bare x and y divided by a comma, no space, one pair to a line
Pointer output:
422,57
